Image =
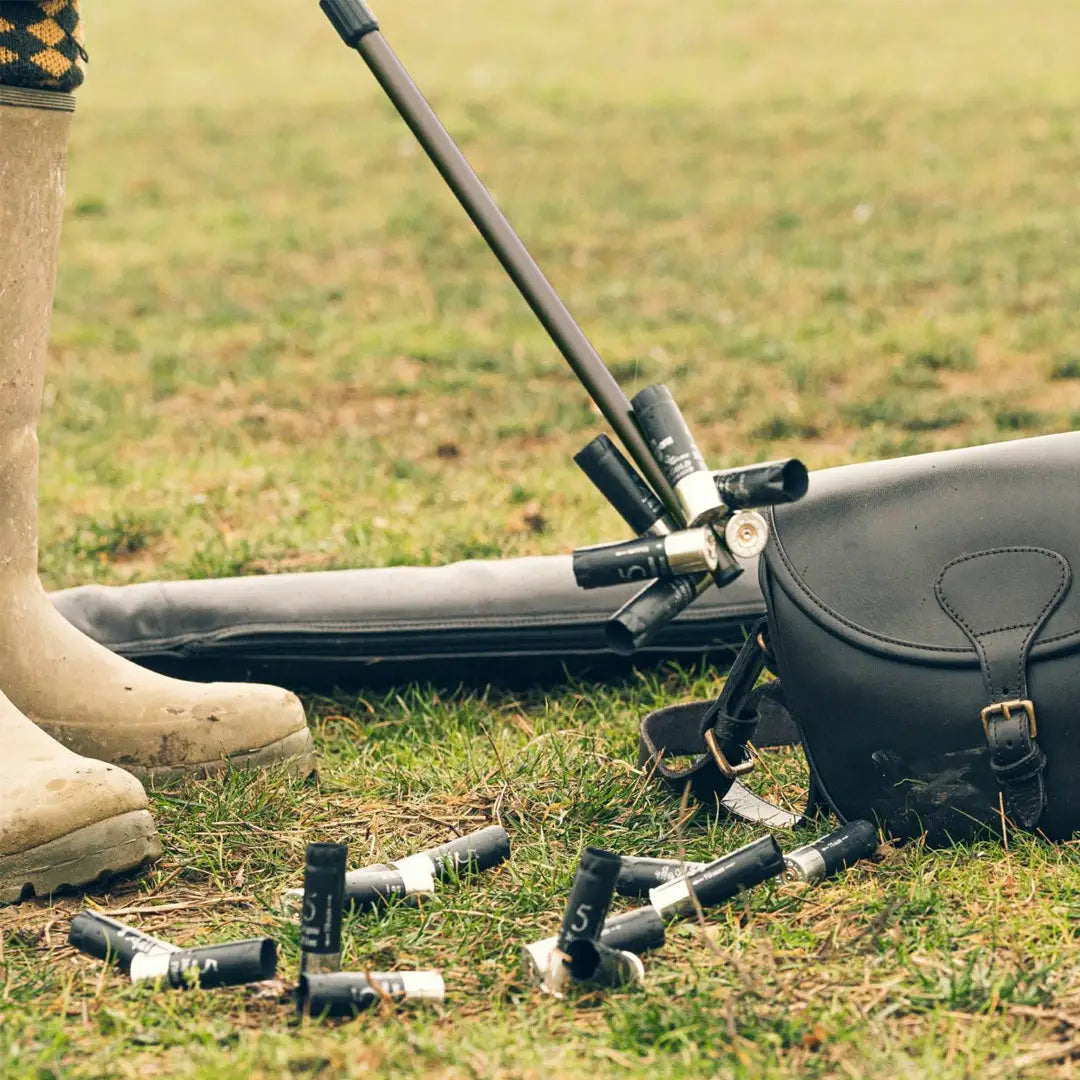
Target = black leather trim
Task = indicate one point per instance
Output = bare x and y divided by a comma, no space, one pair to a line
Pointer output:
860,552
1000,599
739,714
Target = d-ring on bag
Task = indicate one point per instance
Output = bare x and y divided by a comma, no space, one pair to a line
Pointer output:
923,625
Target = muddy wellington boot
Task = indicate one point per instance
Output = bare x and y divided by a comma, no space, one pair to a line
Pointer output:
95,703
64,820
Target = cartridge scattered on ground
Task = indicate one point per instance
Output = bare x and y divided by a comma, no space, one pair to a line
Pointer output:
346,993
688,551
769,484
668,435
720,880
621,484
376,886
416,875
232,964
578,954
323,906
593,962
480,850
638,875
590,897
634,931
837,851
98,935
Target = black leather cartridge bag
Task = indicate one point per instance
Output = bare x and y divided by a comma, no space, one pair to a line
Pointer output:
925,628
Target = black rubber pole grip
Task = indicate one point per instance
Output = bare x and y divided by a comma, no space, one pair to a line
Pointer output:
352,19
620,483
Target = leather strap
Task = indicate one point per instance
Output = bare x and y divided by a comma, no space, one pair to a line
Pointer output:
716,732
1001,623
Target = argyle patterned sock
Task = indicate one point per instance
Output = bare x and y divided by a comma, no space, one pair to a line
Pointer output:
41,44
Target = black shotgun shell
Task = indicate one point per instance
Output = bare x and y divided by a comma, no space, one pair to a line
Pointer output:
107,939
837,851
346,993
644,615
634,931
638,875
232,964
678,456
590,897
375,887
620,483
324,900
593,961
687,551
667,433
480,850
771,483
605,565
722,879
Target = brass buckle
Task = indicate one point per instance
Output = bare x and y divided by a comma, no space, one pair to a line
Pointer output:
722,763
1003,708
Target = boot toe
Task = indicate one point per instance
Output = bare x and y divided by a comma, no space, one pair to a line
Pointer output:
52,797
231,726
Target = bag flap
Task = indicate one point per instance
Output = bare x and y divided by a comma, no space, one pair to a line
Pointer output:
862,550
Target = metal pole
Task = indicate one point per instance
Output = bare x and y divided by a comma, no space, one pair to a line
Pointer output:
359,30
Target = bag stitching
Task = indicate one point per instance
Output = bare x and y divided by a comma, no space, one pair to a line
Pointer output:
833,613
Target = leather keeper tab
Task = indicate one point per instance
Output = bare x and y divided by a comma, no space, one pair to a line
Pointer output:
1001,599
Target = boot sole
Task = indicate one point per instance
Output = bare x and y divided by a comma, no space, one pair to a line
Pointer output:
117,845
295,752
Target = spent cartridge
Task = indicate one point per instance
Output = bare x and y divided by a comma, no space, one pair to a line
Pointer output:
99,935
770,483
688,551
720,880
623,486
323,906
638,875
347,993
837,851
232,964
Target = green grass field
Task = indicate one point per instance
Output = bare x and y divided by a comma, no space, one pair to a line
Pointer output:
836,229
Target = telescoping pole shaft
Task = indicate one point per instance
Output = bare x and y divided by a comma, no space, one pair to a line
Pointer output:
360,30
